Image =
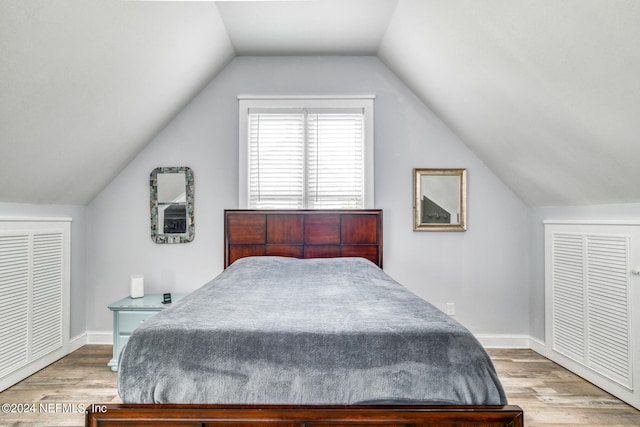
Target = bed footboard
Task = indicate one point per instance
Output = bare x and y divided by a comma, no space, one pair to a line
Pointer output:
290,416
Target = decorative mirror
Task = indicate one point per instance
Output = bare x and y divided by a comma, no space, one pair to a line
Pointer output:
440,199
172,205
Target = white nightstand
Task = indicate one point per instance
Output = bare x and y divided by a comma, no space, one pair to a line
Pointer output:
128,314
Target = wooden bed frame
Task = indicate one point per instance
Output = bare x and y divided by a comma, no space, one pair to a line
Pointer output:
302,234
301,416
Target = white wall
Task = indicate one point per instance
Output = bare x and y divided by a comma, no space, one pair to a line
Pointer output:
78,252
630,211
484,271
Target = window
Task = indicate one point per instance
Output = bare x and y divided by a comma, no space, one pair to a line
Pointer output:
306,154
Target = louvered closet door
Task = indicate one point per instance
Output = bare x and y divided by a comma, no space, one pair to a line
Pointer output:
14,300
608,307
568,295
34,296
590,299
47,326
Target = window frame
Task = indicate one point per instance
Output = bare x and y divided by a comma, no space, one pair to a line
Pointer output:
247,103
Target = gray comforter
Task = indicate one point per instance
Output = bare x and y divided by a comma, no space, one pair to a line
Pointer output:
272,330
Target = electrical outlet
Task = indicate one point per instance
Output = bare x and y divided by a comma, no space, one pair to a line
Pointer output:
451,309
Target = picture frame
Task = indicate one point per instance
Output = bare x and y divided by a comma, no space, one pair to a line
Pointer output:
440,199
171,191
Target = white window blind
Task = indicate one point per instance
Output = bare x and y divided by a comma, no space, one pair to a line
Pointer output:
311,158
276,161
335,161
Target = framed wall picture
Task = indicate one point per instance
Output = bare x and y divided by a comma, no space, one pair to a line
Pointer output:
171,203
440,199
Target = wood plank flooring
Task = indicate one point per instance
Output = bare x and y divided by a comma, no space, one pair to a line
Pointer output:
552,396
549,395
80,378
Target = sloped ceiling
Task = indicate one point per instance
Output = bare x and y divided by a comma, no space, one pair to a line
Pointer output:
545,92
85,85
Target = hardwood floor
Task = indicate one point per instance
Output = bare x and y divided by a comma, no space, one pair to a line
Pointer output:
60,391
549,395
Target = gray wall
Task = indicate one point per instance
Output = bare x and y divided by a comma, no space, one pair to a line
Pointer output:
78,252
629,211
484,271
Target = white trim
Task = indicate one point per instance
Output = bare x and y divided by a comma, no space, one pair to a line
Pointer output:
539,346
303,97
246,102
592,221
35,219
585,373
32,367
504,340
487,341
99,337
78,341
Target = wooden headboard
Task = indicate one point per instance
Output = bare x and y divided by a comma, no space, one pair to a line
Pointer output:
303,234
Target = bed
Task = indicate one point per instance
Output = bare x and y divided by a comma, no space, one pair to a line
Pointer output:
304,328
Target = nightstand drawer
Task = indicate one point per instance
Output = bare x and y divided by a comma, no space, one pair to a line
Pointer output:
128,321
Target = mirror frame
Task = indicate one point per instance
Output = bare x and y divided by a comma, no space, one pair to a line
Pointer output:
418,225
156,236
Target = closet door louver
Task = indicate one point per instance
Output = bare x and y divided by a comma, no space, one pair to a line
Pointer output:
568,296
47,293
34,302
14,287
609,314
589,303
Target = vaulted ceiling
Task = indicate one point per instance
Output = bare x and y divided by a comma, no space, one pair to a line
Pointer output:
545,92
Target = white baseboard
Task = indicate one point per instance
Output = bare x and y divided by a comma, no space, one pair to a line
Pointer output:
487,340
100,337
32,367
504,341
538,346
77,342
